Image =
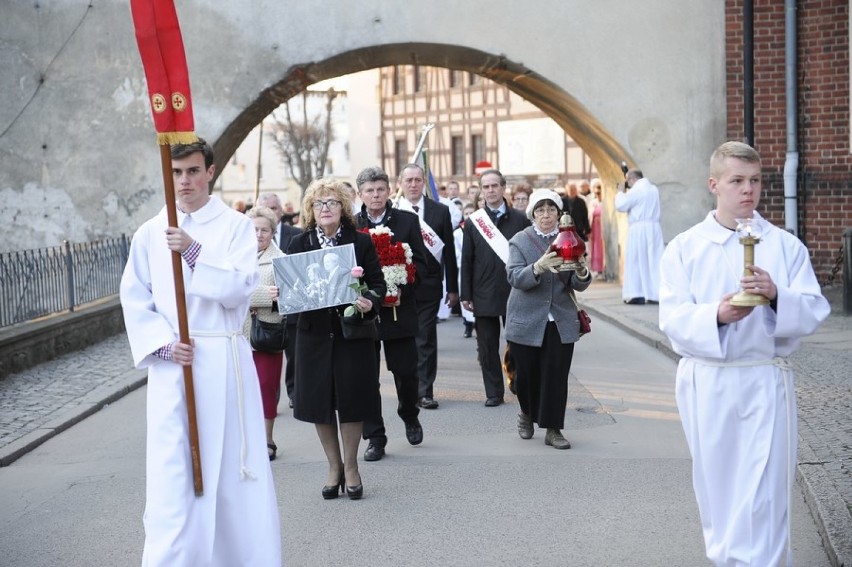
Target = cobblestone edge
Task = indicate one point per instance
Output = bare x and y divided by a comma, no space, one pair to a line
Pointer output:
93,402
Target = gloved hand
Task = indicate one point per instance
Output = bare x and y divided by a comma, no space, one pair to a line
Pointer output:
583,273
548,261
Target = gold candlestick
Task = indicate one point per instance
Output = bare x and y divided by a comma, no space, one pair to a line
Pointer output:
749,237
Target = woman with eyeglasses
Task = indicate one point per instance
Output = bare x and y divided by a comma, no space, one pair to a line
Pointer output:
521,196
541,320
336,379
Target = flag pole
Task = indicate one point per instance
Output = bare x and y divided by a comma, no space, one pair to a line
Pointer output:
183,322
161,49
423,134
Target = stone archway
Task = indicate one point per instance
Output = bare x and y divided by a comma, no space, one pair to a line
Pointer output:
569,113
601,146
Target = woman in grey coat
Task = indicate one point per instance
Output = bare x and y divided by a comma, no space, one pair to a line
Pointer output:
542,324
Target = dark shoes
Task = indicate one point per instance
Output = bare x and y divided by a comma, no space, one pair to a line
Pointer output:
525,426
291,403
355,492
375,452
468,330
272,449
555,439
493,402
635,301
426,402
413,432
331,492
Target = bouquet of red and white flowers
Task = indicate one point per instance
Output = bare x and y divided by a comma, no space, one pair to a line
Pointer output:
395,259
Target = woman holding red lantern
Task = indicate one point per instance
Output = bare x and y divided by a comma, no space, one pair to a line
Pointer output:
542,323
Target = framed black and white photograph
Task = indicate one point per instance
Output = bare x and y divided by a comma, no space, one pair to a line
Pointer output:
315,279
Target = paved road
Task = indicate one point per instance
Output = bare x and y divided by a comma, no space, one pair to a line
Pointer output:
472,494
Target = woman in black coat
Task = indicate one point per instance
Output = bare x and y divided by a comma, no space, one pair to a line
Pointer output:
336,375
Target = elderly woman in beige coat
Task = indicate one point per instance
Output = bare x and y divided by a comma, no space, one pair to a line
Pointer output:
541,320
268,364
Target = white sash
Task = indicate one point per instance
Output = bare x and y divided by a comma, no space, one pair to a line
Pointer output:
431,239
491,234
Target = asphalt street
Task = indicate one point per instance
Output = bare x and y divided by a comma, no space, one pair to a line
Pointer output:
473,494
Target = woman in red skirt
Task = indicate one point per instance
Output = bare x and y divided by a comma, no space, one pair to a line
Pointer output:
268,364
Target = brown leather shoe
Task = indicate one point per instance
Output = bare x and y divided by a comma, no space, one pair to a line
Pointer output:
525,426
555,439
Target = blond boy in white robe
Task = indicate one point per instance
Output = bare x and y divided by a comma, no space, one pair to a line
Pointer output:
734,387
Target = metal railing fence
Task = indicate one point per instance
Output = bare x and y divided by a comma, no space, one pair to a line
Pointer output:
35,283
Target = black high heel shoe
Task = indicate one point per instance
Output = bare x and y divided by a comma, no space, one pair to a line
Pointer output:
331,492
355,492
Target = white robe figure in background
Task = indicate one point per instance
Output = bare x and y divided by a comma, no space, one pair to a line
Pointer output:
644,238
734,389
235,522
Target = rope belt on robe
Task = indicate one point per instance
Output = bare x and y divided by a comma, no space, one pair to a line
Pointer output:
234,336
789,393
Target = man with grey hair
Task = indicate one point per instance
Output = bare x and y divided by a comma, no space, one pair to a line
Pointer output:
398,320
436,226
484,285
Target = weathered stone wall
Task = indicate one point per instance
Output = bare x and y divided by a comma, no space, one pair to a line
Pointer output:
641,81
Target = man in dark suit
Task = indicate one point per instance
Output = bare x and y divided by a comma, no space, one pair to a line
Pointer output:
484,285
284,233
435,222
397,324
575,205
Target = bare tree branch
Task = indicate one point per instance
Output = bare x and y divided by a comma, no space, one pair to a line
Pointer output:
303,144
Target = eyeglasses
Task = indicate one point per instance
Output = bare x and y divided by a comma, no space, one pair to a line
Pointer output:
541,211
332,205
520,199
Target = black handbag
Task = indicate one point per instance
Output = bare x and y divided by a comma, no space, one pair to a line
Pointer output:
267,337
357,327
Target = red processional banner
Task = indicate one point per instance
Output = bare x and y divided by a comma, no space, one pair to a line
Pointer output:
164,60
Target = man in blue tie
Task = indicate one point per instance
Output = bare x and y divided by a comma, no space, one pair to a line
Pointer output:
484,284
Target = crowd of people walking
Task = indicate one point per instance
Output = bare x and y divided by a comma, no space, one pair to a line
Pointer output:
416,260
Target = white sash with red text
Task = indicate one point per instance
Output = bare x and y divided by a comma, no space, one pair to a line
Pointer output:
490,233
431,239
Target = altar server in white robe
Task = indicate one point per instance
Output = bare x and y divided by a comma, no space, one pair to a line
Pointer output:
734,387
235,522
640,199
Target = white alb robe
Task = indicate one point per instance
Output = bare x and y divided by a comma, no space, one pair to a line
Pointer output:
739,421
644,240
235,522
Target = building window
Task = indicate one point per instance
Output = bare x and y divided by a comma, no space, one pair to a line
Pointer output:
400,149
477,150
474,79
455,78
396,80
457,145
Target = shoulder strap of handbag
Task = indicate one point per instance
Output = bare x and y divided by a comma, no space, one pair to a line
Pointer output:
491,234
543,249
